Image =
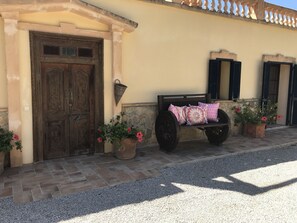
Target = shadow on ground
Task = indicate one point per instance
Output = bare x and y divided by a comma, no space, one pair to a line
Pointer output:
204,173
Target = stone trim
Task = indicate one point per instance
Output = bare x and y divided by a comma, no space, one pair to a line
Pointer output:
75,6
223,54
65,28
279,58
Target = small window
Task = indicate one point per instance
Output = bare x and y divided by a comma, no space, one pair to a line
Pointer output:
85,52
69,51
224,79
51,50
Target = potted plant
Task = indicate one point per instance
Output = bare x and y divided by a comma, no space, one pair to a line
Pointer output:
8,140
124,137
254,118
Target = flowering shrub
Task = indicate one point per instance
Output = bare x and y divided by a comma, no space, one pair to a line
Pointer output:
8,140
254,114
118,129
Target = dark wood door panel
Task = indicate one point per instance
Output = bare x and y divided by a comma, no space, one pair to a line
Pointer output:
55,84
55,144
80,142
66,86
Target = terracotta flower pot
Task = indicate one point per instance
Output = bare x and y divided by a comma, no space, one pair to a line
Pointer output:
254,130
125,149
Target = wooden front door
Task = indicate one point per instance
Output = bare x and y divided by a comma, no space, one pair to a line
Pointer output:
68,109
67,91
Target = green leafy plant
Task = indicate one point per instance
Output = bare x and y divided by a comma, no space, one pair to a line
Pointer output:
255,114
118,129
9,140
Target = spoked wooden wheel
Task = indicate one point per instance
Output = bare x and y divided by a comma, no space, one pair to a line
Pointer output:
167,131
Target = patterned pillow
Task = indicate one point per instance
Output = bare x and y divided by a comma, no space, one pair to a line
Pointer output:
196,115
179,113
212,111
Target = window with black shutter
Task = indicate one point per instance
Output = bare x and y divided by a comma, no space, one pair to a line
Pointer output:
224,79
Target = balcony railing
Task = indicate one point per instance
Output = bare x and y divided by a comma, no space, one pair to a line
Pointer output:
248,9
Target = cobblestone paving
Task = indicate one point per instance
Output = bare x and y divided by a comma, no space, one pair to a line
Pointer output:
60,177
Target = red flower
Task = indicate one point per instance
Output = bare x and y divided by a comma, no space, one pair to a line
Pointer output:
100,139
279,117
16,137
264,119
238,110
129,129
100,131
139,136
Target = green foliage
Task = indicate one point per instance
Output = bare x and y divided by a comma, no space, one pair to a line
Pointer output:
118,129
255,114
8,140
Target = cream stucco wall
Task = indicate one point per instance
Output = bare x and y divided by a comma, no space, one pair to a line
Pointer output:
283,93
3,80
169,51
26,96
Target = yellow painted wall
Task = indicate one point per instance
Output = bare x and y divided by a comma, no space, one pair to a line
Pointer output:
169,51
284,79
225,80
26,96
3,80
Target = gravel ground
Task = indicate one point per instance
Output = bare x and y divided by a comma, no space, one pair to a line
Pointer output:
253,187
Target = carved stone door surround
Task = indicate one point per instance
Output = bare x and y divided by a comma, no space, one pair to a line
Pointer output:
10,13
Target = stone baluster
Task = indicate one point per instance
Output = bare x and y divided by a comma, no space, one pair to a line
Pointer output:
293,21
285,19
241,9
267,13
232,7
248,10
276,17
226,6
212,5
289,20
281,18
271,16
237,9
220,6
205,4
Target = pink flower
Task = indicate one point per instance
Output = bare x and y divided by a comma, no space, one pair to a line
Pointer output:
264,119
279,117
100,139
16,137
139,136
99,130
238,110
129,129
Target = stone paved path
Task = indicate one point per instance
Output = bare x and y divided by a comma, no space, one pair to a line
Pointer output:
60,177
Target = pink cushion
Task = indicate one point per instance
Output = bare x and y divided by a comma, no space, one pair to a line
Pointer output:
179,113
196,115
212,111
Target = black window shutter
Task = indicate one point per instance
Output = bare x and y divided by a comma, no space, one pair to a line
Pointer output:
213,78
293,98
265,82
235,77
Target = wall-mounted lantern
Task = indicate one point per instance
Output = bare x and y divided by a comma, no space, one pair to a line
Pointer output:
119,90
